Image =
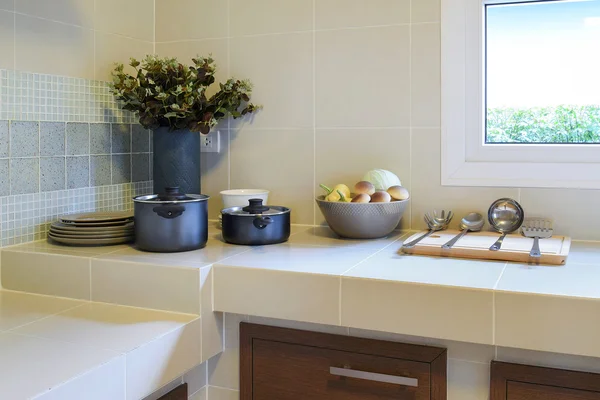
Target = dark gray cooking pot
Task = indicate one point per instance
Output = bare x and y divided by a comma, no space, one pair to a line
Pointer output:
171,222
256,224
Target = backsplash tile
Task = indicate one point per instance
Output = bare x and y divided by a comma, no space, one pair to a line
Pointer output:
4,134
4,177
121,168
140,139
78,138
140,167
24,139
100,170
27,217
100,140
52,138
78,172
30,96
121,138
24,175
52,174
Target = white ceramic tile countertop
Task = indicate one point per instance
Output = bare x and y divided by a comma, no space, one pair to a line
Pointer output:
316,277
57,348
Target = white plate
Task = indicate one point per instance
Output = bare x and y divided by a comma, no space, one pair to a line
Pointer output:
97,232
96,224
91,242
95,217
114,235
94,227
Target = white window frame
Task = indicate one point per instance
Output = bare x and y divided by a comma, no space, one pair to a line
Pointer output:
466,160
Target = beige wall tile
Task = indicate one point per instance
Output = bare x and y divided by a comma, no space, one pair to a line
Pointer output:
157,363
354,13
133,18
196,378
277,294
425,10
75,12
190,19
224,369
426,310
212,322
280,67
215,175
571,209
303,326
217,393
232,329
545,323
550,360
50,274
158,287
345,155
280,161
93,384
7,40
8,5
185,51
426,78
200,394
428,193
468,381
362,77
269,16
111,49
164,390
65,49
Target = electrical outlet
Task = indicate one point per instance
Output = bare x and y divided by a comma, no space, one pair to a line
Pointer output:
210,143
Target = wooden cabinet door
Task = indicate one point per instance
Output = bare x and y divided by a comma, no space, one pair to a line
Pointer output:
288,364
285,371
528,391
524,382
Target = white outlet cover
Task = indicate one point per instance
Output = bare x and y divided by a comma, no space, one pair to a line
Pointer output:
210,143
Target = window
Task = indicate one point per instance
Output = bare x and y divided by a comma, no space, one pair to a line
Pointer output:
521,93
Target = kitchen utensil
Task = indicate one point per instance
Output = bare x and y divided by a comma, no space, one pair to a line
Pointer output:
91,242
537,228
240,197
476,245
435,223
256,224
171,221
97,217
505,216
362,220
472,222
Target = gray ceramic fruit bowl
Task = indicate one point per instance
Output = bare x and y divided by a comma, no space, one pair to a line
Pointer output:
362,220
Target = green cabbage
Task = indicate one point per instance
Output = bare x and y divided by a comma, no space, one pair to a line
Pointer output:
382,179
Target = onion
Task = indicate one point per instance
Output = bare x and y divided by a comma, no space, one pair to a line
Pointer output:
398,193
381,197
361,198
365,187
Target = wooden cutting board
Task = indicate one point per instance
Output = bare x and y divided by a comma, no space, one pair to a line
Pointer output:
476,245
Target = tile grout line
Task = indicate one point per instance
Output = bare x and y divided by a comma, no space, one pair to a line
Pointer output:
410,121
314,122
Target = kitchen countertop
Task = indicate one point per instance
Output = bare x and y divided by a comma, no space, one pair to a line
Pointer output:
56,348
317,277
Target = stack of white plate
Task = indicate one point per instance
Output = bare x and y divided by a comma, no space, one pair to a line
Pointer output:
93,229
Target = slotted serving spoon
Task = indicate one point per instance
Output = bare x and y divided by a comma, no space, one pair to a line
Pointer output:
537,229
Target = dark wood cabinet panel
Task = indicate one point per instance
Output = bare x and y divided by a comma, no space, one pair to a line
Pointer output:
179,393
529,391
524,382
287,364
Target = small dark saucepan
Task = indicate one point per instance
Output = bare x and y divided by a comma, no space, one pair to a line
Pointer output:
256,224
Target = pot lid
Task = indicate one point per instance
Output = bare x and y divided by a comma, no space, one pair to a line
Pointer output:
170,195
255,207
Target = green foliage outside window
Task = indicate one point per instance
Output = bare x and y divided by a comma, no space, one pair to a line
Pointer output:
560,124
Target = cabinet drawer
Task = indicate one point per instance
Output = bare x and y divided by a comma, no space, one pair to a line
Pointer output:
524,382
286,364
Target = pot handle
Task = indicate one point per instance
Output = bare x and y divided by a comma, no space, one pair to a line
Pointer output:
169,211
262,222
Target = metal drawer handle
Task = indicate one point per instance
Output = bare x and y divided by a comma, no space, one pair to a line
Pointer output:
372,376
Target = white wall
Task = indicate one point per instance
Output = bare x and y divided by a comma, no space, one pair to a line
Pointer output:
346,86
76,38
